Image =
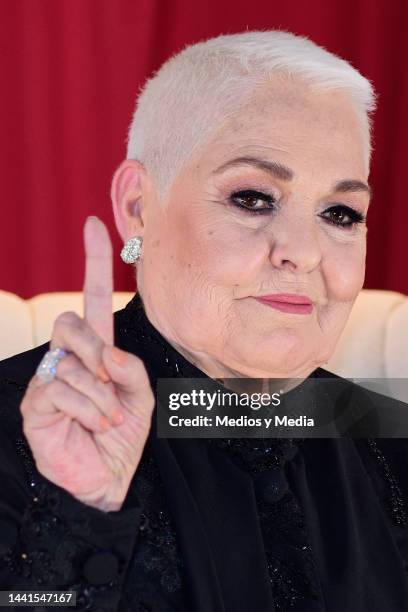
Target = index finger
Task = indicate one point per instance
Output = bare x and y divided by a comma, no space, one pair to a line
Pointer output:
98,284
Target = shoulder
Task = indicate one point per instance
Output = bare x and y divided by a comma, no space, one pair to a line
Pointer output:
15,374
21,368
361,411
356,389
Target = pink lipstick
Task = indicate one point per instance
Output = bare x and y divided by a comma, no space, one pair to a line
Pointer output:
287,302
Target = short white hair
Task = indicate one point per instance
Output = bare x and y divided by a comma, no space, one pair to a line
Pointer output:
195,90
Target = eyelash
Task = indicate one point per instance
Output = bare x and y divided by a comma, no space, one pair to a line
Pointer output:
355,216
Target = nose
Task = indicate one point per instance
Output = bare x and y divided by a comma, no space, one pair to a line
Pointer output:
295,245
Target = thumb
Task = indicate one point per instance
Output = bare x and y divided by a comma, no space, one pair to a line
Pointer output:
128,373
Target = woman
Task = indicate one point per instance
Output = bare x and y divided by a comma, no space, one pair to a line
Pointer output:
245,183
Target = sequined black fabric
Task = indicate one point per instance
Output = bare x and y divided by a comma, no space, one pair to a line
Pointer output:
135,325
55,556
395,502
157,560
287,547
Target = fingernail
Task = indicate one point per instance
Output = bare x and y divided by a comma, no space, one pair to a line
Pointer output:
104,422
102,374
117,355
117,417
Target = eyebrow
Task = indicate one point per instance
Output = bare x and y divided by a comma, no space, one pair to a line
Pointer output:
284,173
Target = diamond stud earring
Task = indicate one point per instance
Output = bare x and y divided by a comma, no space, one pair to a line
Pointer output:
132,250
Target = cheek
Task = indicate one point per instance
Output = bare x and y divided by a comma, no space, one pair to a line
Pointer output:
213,248
344,271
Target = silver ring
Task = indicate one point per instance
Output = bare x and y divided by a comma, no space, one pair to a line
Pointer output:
47,369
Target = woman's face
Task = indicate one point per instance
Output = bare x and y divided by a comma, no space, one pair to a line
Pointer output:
206,256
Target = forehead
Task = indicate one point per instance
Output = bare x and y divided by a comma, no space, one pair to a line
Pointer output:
303,126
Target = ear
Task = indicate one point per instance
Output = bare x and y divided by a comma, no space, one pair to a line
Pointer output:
128,189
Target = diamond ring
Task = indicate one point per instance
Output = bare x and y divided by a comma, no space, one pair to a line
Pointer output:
47,368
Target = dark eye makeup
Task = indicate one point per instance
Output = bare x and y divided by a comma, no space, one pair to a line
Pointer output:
339,215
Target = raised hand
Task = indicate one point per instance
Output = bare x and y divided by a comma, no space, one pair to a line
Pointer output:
87,428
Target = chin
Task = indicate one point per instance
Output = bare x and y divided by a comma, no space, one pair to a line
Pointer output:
282,367
285,340
277,356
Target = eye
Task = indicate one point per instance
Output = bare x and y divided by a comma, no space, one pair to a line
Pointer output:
249,200
343,216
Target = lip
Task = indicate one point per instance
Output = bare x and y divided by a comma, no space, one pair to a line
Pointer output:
287,302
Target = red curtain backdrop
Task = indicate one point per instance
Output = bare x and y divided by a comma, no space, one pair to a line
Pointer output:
70,73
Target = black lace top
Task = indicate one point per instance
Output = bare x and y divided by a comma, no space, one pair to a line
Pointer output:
218,525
